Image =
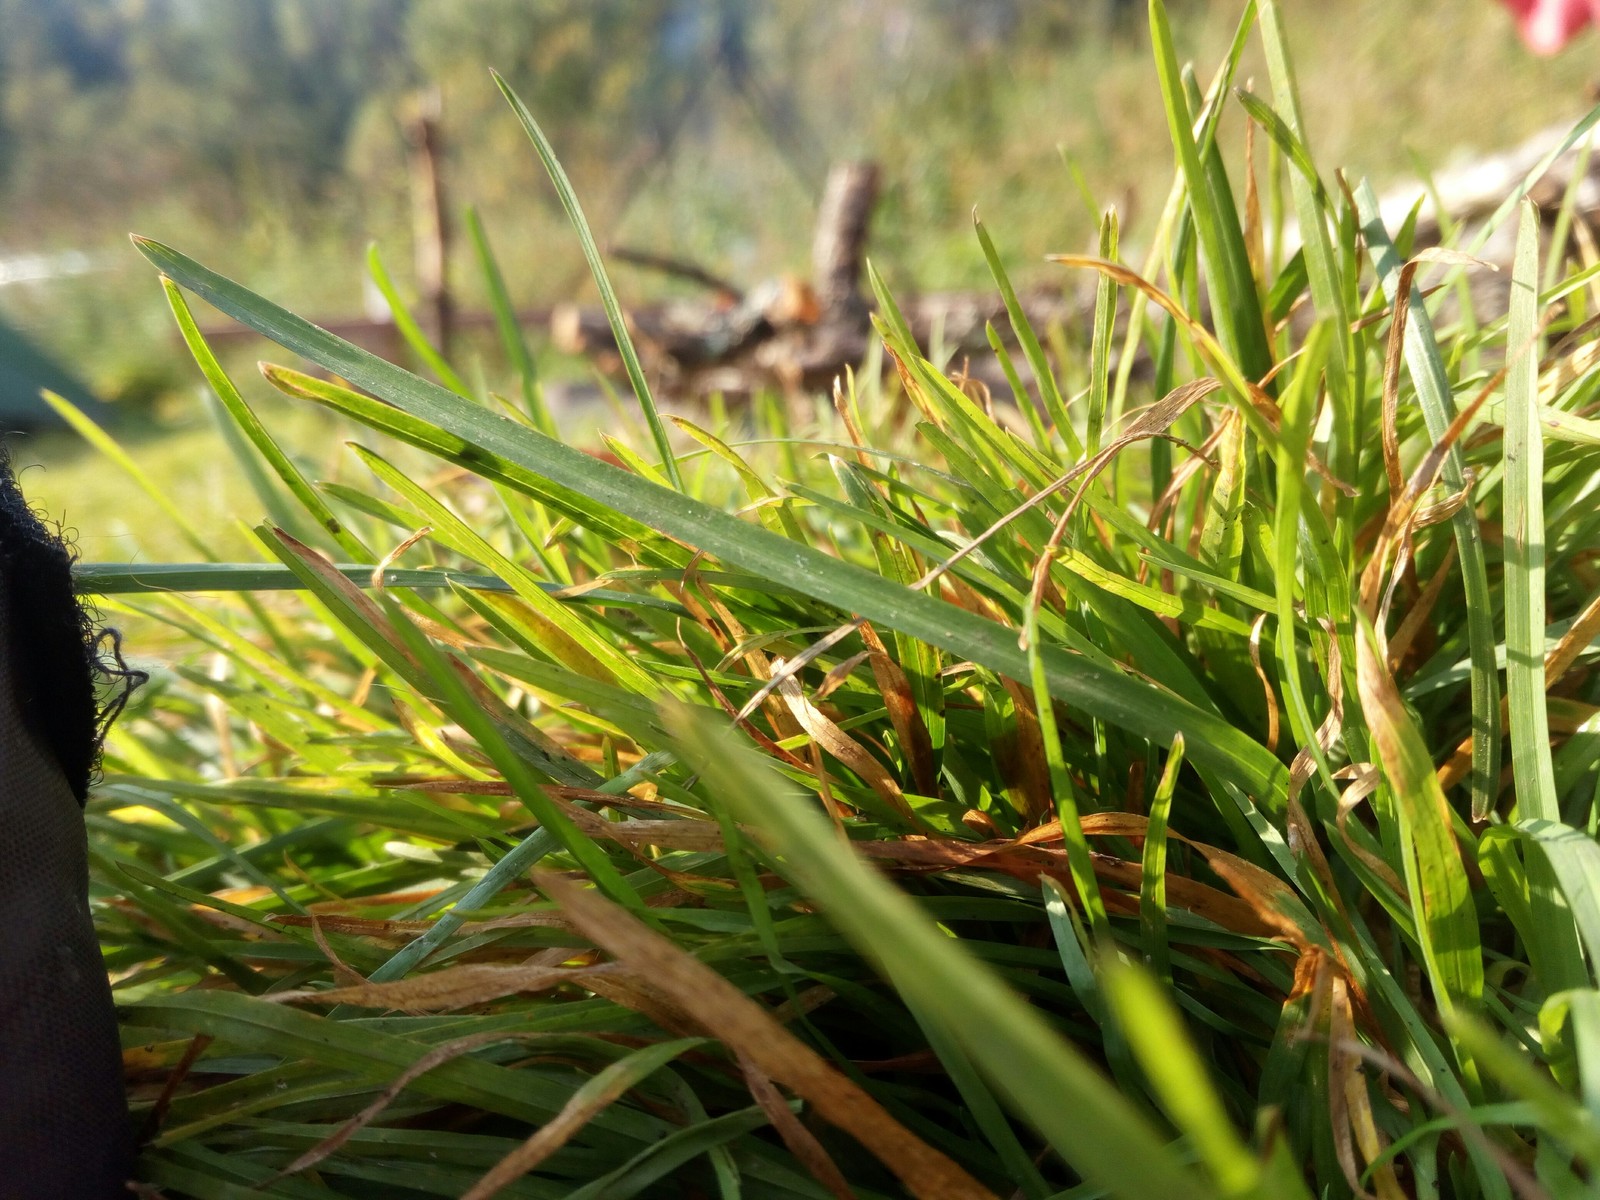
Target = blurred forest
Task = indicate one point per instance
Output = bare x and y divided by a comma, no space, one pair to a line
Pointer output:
268,137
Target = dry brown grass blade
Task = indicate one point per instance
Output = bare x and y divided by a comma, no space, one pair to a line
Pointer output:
1153,421
585,1104
1266,684
904,715
1222,909
1304,765
741,716
1025,767
1254,236
370,927
436,1057
840,744
449,989
841,405
404,931
1579,634
1350,1102
1241,912
1588,252
174,1080
1341,1066
747,1029
1259,400
1416,617
641,835
319,565
1024,860
1567,370
1266,894
1270,901
1522,1182
341,972
1393,353
389,559
1365,778
1262,890
1204,455
802,1143
1402,508
732,635
798,663
839,674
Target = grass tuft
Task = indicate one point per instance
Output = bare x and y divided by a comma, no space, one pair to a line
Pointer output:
905,795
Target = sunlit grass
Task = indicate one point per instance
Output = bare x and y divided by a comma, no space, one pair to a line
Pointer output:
900,803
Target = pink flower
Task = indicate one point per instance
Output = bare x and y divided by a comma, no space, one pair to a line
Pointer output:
1548,25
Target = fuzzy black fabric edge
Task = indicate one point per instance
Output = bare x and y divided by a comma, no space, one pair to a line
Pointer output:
56,646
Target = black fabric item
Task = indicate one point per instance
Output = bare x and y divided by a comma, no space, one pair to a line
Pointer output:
53,645
63,1113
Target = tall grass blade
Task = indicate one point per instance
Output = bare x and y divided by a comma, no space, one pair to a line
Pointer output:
1426,367
484,437
509,327
602,280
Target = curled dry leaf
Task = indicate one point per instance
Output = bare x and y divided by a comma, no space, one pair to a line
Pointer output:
904,715
1365,779
839,743
1350,1102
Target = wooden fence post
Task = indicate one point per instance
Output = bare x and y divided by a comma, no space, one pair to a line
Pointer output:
430,230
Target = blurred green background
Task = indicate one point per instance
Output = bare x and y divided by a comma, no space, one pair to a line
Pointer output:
268,139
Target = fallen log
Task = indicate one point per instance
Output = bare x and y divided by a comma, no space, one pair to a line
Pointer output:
792,333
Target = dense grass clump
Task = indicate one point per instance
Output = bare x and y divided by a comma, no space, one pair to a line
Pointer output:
1101,790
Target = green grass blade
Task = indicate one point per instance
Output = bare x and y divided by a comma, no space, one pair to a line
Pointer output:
245,418
608,295
1097,1130
1320,264
508,326
1044,377
116,579
1299,410
1105,316
1428,376
1523,523
1575,859
408,327
85,426
1557,1114
571,639
1235,305
483,438
1552,944
1182,1084
1436,878
1153,884
401,425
